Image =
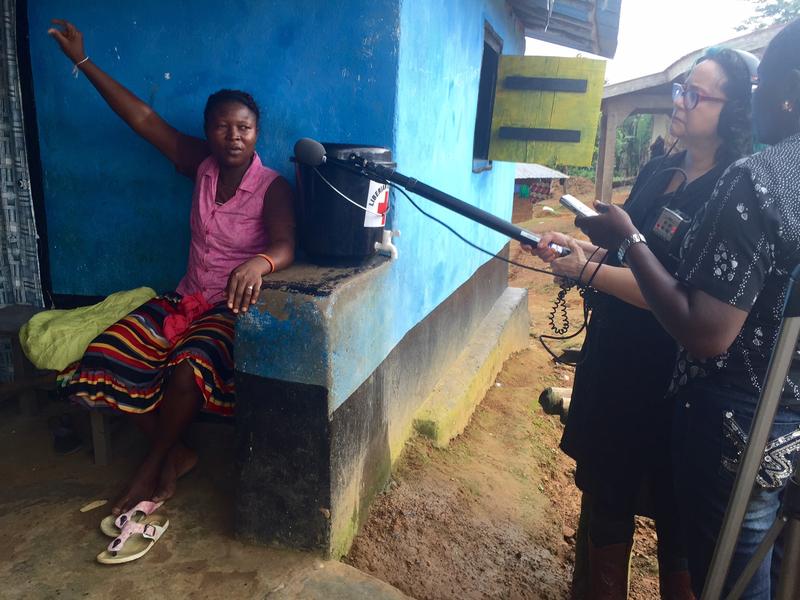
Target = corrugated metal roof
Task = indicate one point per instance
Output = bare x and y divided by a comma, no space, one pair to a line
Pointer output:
588,25
534,171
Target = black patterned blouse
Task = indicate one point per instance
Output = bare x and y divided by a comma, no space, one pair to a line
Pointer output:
741,250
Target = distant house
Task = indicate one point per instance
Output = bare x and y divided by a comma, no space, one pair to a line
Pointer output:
533,183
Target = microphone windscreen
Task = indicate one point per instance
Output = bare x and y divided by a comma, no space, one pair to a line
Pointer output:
309,152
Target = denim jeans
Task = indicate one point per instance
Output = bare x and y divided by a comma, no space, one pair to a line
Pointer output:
710,428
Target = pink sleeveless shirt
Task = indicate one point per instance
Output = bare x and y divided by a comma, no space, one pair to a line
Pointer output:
224,235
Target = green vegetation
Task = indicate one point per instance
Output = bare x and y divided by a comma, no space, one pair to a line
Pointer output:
632,145
631,151
770,12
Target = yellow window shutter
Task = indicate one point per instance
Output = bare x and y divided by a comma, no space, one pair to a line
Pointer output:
546,110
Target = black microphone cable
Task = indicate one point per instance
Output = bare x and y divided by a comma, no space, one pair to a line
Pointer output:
470,243
657,171
348,199
562,293
439,221
583,290
561,298
560,302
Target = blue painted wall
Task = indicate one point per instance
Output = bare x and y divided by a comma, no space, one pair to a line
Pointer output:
440,52
441,47
117,213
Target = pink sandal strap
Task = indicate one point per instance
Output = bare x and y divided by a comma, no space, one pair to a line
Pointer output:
130,529
150,531
146,507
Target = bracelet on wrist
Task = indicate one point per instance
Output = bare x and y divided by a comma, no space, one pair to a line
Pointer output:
75,68
269,261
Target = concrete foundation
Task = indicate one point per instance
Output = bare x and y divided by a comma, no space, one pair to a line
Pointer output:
312,459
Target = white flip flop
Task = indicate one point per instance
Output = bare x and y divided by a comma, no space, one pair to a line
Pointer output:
134,541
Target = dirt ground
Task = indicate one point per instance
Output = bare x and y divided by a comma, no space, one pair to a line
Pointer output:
50,543
494,514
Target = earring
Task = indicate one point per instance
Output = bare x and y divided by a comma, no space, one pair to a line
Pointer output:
787,106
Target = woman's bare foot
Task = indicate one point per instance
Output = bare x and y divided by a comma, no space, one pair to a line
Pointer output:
142,486
179,461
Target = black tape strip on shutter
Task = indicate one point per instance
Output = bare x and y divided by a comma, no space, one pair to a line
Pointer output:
535,134
546,84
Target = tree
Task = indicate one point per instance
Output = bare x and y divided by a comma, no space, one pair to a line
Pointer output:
769,12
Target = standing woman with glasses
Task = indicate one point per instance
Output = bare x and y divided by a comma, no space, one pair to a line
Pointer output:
724,304
618,425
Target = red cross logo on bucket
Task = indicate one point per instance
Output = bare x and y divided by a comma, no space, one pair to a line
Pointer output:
377,204
383,206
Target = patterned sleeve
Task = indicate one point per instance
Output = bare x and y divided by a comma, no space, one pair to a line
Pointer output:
729,251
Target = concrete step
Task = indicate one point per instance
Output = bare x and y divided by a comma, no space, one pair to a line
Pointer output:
504,331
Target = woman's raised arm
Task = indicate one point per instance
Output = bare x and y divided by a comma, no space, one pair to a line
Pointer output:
186,152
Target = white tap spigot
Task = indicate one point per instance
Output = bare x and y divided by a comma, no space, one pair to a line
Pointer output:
385,246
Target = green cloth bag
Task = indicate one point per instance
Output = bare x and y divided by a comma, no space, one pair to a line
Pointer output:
54,339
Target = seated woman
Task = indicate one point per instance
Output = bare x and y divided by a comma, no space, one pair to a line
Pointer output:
723,304
148,365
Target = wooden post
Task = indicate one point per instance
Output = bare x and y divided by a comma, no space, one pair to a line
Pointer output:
604,176
23,370
101,438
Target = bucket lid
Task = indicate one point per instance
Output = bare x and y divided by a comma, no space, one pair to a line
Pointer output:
373,153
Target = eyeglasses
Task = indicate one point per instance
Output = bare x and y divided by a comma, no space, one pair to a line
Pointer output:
691,97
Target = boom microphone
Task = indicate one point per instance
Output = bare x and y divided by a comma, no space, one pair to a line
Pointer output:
312,153
309,152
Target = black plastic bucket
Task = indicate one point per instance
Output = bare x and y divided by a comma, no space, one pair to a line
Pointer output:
329,227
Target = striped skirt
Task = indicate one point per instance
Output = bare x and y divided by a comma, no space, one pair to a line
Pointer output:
126,366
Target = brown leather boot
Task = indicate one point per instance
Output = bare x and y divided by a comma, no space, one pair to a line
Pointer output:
675,586
609,567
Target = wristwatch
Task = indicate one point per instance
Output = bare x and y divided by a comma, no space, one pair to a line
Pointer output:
634,238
